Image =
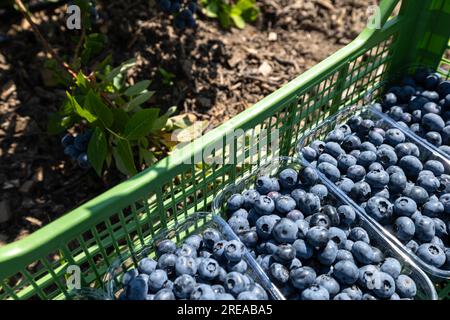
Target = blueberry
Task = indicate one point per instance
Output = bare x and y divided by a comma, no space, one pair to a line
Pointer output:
67,140
433,208
302,278
377,178
202,292
138,288
411,165
405,286
72,152
285,231
356,172
380,209
129,275
434,138
308,203
218,250
440,227
404,228
295,215
309,154
303,227
235,283
392,267
249,238
346,272
353,292
208,269
384,286
367,146
288,178
320,219
308,176
412,245
378,255
195,241
224,296
425,229
210,237
156,280
234,250
366,158
367,276
241,213
345,184
394,137
351,142
265,224
186,250
365,126
258,291
376,138
354,122
431,95
445,200
317,236
342,296
347,214
429,182
240,266
167,262
218,289
235,202
367,296
362,252
265,184
335,135
302,249
438,242
329,283
330,171
315,292
343,254
358,234
264,205
345,161
279,273
431,254
147,266
274,195
433,122
81,142
334,149
327,255
285,204
389,99
418,194
164,294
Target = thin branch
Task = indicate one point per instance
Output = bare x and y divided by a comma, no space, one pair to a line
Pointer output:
46,45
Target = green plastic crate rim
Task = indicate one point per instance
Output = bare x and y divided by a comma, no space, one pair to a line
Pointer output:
93,235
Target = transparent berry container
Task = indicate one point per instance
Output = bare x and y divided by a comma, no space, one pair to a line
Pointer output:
425,288
427,152
177,231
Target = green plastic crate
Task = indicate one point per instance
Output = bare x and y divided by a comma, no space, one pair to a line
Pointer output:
92,235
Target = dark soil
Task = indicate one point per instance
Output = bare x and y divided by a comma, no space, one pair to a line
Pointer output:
218,74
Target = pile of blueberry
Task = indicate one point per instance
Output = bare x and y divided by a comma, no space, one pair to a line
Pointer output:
76,148
404,190
309,245
204,267
183,12
422,103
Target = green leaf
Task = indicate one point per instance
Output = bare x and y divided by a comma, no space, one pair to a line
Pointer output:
159,123
120,69
238,21
81,82
212,10
97,150
123,157
121,118
139,100
137,88
95,104
54,124
148,157
79,110
224,18
140,124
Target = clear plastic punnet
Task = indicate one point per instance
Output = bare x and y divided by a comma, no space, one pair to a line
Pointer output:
177,231
427,152
425,288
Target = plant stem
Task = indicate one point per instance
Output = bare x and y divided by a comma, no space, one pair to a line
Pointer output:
27,15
